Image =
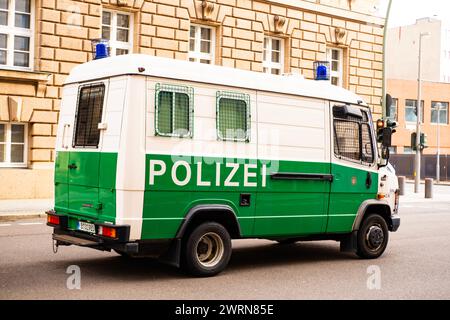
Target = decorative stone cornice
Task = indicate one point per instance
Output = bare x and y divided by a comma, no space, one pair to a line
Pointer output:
340,35
39,79
279,23
207,10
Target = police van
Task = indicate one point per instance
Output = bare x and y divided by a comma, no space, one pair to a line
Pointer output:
173,159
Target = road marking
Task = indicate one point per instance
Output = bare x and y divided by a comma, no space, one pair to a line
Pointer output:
30,224
5,225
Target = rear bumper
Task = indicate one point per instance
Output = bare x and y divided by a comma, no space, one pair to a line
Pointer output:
65,236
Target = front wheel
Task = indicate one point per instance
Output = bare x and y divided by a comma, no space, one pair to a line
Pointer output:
207,250
373,237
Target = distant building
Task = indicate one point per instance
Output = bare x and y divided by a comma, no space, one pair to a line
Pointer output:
403,51
402,74
404,93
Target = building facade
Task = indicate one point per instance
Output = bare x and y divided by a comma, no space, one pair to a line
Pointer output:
42,40
434,115
402,51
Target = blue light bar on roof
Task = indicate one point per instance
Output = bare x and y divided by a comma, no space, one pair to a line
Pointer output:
100,49
322,70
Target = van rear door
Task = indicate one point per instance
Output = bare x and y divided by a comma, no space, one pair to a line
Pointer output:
84,156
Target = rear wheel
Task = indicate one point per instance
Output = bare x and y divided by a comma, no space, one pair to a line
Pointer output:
373,237
207,250
121,253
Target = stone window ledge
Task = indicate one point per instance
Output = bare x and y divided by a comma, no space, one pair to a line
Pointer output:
39,79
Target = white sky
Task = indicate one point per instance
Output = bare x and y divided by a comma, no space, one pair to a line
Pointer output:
405,12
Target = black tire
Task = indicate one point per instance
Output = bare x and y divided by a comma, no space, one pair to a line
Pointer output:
122,254
206,250
373,237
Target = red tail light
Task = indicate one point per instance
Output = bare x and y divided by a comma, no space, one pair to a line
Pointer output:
52,219
107,232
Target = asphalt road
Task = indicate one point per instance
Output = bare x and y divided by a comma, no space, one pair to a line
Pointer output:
415,265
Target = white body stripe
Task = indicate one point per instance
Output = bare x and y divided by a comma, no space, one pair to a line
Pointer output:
130,178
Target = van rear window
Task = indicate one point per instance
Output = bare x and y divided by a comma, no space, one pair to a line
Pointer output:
88,116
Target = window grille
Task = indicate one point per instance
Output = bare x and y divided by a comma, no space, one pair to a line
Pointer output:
89,115
174,110
233,116
353,138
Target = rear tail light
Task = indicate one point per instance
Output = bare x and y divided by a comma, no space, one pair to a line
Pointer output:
107,232
53,220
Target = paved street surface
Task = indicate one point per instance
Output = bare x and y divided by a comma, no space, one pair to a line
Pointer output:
416,265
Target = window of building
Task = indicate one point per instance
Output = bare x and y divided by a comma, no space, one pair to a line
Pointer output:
336,59
408,150
353,137
13,145
411,110
233,116
393,110
88,116
393,150
16,36
201,44
117,27
441,116
273,55
174,110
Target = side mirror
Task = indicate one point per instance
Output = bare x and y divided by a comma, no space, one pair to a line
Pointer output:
387,138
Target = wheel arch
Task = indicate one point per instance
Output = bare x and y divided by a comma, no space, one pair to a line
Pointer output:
373,207
222,214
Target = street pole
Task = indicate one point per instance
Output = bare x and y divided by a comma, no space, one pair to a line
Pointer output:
438,160
419,120
384,105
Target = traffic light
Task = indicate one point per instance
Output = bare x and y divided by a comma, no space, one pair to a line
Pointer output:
423,141
380,130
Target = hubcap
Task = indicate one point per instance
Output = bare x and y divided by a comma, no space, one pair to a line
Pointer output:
210,249
375,237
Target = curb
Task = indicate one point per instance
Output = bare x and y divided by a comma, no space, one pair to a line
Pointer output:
13,216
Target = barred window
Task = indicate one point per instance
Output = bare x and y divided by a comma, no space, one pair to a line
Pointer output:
233,116
89,115
353,138
174,110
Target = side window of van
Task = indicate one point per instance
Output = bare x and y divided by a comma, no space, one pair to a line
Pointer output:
88,116
174,110
353,137
233,116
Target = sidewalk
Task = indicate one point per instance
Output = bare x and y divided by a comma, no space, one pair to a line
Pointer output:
24,208
441,193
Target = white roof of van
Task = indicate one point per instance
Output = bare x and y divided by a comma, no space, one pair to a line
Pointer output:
197,72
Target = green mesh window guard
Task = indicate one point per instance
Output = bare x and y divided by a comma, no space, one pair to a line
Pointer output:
174,110
233,116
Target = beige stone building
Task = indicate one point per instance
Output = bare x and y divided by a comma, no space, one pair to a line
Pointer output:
42,40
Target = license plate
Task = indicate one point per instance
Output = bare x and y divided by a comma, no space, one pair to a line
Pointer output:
86,227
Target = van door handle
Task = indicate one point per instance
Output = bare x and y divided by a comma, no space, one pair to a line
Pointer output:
369,180
63,143
72,166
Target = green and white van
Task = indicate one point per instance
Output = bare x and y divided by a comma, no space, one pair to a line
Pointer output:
173,159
